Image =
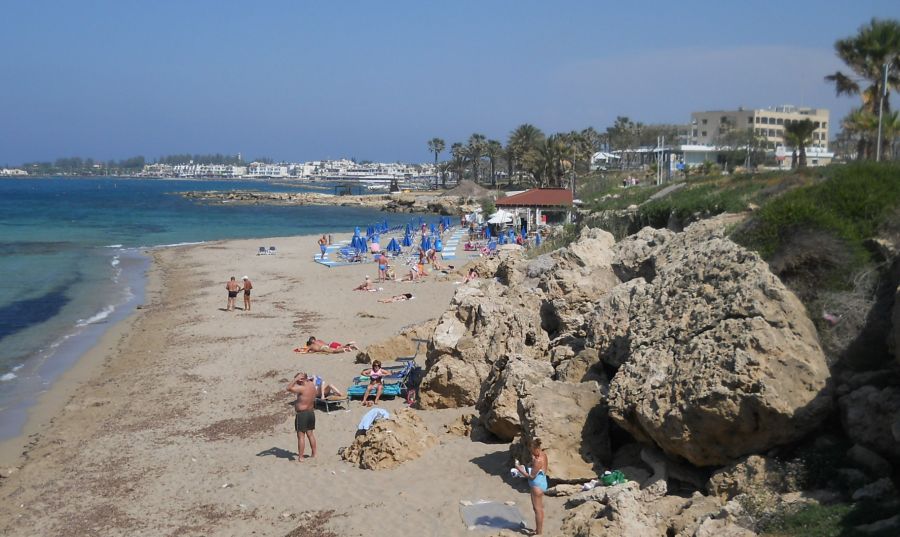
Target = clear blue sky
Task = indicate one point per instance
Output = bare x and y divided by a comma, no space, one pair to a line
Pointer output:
298,80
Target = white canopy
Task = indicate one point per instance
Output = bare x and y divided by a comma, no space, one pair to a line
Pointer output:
500,217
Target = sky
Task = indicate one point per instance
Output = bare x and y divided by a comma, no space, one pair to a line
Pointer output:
298,80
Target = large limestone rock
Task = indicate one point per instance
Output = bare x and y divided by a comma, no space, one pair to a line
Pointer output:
499,404
570,419
609,512
750,474
607,326
389,443
724,361
402,344
867,415
486,321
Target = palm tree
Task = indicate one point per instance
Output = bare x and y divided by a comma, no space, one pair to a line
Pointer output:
875,45
522,140
493,150
444,168
862,125
458,152
797,135
436,146
474,151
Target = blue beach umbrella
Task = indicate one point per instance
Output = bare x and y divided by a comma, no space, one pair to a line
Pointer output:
433,229
487,232
393,246
356,232
407,240
408,228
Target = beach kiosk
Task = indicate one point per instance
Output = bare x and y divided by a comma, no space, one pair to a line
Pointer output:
540,206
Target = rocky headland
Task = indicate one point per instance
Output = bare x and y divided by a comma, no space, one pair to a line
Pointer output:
404,202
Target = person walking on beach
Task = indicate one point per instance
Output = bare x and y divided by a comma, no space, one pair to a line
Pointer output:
323,245
232,287
305,416
247,285
537,481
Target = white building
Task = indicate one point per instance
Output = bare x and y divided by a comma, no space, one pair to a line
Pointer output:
12,172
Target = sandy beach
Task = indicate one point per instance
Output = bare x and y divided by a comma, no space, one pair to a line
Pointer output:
177,423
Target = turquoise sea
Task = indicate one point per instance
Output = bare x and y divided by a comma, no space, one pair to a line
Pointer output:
70,257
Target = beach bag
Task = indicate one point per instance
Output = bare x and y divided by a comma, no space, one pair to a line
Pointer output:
438,246
612,478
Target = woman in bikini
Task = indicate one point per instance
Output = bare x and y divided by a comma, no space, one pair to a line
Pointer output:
317,345
376,379
537,482
397,298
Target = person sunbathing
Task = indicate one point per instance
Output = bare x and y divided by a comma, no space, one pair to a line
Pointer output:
323,389
365,286
397,298
317,345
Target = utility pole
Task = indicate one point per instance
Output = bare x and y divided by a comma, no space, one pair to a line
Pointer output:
884,90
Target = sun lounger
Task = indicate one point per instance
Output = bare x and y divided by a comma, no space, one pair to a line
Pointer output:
272,250
333,401
394,384
262,251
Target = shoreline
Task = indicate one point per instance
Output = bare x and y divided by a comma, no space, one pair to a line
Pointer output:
178,423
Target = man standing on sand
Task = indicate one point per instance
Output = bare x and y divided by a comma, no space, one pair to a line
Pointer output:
305,417
232,287
323,245
247,285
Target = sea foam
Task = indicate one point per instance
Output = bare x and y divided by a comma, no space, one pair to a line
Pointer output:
97,317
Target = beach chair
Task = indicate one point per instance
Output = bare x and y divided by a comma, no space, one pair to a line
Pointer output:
350,254
394,385
272,250
333,401
262,251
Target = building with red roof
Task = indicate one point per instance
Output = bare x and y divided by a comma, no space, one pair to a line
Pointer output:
541,205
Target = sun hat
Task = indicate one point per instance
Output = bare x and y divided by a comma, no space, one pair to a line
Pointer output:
245,278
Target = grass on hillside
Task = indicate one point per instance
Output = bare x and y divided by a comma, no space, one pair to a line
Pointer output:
835,520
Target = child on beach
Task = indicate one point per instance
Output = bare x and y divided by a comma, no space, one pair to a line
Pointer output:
365,286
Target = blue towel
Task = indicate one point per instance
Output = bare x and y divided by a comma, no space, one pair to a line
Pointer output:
371,417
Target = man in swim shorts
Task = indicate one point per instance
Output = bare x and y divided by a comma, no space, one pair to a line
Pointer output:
305,417
232,287
247,285
323,245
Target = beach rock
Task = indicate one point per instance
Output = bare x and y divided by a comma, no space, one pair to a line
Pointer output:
712,527
879,490
610,512
498,406
635,256
724,361
570,419
391,442
607,326
485,322
746,476
583,367
868,460
867,415
401,344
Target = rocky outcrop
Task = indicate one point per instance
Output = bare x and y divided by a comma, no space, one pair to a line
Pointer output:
570,419
608,511
403,344
391,442
750,474
723,360
498,406
867,416
487,321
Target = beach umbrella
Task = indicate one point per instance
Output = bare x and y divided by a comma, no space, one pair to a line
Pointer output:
433,229
511,235
408,228
393,246
407,240
356,232
487,232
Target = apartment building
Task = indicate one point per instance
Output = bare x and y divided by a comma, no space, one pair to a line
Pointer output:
710,128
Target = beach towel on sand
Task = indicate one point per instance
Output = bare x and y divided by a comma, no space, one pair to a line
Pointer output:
486,515
371,416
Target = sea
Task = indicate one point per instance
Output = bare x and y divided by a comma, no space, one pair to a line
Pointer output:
72,256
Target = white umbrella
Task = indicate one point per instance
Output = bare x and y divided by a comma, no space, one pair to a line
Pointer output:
500,217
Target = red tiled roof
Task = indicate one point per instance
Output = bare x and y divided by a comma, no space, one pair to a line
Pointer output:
538,197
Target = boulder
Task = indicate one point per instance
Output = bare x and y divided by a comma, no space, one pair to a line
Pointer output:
635,256
607,326
498,406
879,490
582,367
724,361
713,527
868,460
391,442
401,344
867,415
485,322
609,512
746,476
570,419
